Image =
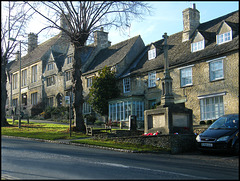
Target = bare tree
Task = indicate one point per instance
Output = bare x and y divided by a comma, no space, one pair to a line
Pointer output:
84,17
13,23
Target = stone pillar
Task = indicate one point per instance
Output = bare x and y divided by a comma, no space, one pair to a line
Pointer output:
167,95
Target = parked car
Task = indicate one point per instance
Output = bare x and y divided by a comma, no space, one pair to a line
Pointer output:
222,135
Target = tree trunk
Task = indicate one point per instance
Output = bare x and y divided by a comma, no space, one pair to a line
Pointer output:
78,90
3,95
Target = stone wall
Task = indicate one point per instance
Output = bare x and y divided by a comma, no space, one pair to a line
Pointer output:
178,143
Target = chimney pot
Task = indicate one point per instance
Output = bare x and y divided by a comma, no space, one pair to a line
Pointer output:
194,6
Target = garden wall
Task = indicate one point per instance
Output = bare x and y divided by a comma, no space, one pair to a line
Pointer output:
177,143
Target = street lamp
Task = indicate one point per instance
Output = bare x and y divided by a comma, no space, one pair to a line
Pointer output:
19,93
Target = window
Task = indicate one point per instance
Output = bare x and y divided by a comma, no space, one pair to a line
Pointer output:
15,81
34,98
87,109
69,60
186,76
50,102
151,54
50,81
225,37
68,75
34,73
197,46
211,108
50,66
126,85
89,82
120,111
216,70
152,79
24,77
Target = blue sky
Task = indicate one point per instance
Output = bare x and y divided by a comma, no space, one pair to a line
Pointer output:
167,17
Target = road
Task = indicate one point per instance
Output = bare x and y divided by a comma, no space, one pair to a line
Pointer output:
28,159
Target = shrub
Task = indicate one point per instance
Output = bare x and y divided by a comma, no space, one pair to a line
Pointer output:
209,122
98,123
37,109
90,118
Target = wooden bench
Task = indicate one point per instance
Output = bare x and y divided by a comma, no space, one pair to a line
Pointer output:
90,131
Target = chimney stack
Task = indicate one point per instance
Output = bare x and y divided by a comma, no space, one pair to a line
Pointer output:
101,39
32,42
191,20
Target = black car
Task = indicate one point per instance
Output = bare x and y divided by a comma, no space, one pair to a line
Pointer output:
222,135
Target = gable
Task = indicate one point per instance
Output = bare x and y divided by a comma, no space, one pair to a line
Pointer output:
197,37
224,28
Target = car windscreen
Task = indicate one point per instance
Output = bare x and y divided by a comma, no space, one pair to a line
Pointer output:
225,122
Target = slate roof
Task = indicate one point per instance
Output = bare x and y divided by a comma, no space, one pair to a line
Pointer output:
112,55
179,53
41,52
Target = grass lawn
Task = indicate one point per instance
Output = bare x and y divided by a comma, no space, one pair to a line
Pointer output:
45,131
119,145
49,131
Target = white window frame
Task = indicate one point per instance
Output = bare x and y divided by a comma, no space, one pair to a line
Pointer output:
186,76
120,111
152,79
211,106
151,54
224,37
126,85
197,46
213,69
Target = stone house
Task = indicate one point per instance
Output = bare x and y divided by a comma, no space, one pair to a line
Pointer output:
46,70
203,63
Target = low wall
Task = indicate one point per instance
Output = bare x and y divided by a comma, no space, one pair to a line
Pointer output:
176,143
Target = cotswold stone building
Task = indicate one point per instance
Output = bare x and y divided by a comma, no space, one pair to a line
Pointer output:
203,62
46,71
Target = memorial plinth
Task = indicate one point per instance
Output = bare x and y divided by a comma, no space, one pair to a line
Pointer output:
168,118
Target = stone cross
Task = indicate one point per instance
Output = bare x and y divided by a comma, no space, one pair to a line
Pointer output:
167,95
166,64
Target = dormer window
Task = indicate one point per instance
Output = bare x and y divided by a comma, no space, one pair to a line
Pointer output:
50,66
69,60
225,37
224,33
152,54
196,46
